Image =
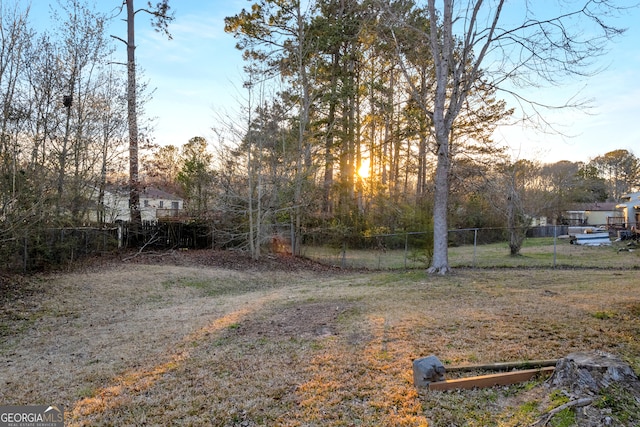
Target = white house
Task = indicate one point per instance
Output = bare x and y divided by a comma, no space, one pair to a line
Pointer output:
592,214
154,204
630,206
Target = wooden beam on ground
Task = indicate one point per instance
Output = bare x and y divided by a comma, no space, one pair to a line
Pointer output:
503,366
483,381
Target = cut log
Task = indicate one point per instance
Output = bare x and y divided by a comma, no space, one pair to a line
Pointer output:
505,378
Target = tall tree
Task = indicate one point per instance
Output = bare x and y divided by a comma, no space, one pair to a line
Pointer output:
337,28
277,35
534,49
83,71
162,167
111,123
621,171
161,17
195,175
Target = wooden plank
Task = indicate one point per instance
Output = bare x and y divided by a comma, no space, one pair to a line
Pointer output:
505,378
503,366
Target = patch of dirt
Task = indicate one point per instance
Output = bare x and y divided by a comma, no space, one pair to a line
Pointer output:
302,321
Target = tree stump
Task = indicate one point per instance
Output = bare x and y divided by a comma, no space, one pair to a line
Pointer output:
585,378
586,373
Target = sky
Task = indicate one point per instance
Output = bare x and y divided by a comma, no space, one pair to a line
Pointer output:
197,77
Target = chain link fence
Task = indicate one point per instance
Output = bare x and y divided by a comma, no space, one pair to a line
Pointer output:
542,247
44,248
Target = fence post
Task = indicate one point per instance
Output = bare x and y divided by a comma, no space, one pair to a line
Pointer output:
292,236
475,245
406,248
344,254
555,238
25,255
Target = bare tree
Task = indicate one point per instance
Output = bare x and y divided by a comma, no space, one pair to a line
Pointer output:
525,198
466,37
14,39
109,104
83,48
276,35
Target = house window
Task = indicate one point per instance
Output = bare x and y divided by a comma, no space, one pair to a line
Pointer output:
146,203
175,205
161,204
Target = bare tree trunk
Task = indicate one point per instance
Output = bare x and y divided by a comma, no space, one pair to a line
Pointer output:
329,139
421,186
514,241
134,180
515,209
442,51
303,146
252,249
101,216
62,161
440,260
250,167
258,217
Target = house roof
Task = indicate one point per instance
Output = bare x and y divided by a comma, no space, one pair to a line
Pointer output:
595,206
154,193
147,192
631,196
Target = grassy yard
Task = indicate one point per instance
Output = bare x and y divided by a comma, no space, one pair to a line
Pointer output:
193,345
536,252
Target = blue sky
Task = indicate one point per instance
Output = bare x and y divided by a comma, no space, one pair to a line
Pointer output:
614,108
197,78
197,75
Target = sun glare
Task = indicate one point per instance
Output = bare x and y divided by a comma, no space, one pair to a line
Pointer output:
363,171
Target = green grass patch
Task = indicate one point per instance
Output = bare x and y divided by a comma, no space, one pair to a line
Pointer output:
604,315
623,405
564,418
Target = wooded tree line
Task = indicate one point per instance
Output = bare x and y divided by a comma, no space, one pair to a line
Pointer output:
338,134
346,127
502,196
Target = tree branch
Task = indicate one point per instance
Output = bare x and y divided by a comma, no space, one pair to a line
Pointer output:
545,418
120,39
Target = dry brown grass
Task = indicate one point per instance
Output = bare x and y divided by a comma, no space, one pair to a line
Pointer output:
141,344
